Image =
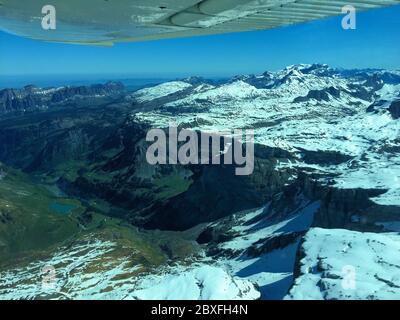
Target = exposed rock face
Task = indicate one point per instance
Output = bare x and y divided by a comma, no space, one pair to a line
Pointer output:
320,95
206,200
11,100
110,88
394,109
31,98
377,106
272,243
324,157
346,208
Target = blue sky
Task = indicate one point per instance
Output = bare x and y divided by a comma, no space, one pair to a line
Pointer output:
375,43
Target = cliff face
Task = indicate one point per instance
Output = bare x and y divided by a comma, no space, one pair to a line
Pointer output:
350,208
12,100
394,109
106,160
32,98
177,197
107,89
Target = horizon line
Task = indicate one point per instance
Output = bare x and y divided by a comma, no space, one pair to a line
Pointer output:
185,74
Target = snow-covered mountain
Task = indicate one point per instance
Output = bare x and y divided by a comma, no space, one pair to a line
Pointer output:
304,109
342,127
327,160
345,264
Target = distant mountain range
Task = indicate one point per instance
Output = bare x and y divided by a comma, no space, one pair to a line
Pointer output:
31,97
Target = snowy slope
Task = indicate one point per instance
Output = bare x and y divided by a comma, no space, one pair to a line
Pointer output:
81,273
93,269
263,249
161,90
200,282
342,264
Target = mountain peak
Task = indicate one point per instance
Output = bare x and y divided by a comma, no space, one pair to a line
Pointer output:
195,80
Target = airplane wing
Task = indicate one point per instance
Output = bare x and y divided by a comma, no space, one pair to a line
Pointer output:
104,22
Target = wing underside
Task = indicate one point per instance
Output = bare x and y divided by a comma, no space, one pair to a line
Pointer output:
105,22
